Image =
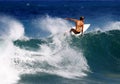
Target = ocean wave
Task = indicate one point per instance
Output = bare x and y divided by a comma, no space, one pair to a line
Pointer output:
101,49
51,56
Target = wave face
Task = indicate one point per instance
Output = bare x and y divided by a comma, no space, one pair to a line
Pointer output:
101,50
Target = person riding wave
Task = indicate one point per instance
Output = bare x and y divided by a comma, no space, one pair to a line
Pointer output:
79,25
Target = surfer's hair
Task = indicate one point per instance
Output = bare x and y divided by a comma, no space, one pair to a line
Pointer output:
81,18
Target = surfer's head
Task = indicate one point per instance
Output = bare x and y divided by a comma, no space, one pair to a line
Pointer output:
81,18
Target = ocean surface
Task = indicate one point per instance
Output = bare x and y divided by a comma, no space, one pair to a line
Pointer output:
35,50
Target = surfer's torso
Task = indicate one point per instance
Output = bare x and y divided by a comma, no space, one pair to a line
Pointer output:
79,25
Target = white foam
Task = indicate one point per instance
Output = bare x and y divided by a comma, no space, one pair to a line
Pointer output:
108,26
8,74
11,28
112,26
54,25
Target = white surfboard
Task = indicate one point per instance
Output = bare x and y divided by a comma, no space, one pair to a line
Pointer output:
86,26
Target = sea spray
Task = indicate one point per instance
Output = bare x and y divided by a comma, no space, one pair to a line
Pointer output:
112,26
11,30
53,25
8,74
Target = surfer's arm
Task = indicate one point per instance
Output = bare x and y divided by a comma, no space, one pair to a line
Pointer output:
71,19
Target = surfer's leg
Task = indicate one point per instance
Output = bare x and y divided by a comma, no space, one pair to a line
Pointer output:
73,30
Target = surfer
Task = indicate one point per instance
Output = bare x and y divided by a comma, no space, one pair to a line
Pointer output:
79,25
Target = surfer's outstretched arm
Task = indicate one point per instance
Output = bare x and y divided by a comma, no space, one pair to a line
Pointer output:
71,19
